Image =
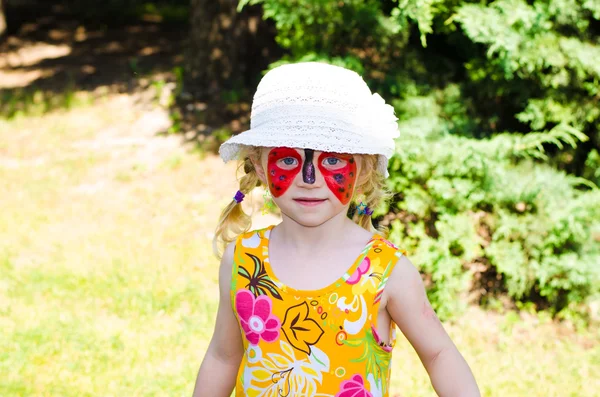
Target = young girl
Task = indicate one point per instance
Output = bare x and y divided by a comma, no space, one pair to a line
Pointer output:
309,307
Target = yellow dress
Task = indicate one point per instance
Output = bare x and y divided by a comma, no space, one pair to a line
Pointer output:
311,343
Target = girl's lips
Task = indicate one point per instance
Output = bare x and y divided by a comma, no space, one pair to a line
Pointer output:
309,202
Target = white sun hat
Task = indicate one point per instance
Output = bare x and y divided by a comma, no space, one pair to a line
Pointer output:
318,106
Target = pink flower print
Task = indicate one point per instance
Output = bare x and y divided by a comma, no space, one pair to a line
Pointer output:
364,267
354,387
256,318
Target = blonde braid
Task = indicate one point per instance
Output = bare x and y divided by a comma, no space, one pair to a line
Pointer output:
233,220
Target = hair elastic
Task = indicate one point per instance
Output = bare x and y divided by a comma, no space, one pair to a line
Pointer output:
239,197
364,209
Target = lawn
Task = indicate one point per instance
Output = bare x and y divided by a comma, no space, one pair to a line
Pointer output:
108,284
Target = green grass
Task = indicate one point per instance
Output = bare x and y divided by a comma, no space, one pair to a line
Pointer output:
22,102
108,285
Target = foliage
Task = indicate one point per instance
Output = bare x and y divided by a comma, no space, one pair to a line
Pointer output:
461,202
496,171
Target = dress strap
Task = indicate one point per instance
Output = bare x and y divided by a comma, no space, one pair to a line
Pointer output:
389,256
392,259
237,250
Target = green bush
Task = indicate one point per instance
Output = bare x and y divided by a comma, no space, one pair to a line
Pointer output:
461,201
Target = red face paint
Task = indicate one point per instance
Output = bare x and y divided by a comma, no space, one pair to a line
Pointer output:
279,174
339,178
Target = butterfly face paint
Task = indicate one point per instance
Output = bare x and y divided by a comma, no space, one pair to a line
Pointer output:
339,171
283,165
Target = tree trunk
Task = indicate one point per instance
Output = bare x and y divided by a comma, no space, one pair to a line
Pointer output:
2,19
227,50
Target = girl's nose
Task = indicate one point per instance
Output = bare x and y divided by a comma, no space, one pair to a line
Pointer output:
308,168
311,176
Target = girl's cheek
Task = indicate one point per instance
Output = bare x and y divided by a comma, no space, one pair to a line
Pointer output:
280,179
341,182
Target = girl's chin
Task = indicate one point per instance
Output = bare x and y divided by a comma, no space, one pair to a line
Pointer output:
311,216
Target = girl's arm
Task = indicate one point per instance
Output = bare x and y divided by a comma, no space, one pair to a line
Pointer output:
409,307
218,371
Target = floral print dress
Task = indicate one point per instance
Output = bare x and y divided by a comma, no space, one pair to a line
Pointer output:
311,343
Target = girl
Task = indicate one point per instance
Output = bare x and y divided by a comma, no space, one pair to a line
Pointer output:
309,307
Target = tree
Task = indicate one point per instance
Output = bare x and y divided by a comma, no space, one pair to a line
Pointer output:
2,19
227,50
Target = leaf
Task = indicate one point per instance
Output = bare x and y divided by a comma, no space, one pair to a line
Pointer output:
300,330
261,374
270,366
258,266
310,371
259,282
263,289
244,273
319,359
280,361
287,350
252,392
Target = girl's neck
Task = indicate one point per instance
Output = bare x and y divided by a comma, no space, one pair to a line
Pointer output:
303,239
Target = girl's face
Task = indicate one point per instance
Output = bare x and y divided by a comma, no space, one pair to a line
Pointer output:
309,185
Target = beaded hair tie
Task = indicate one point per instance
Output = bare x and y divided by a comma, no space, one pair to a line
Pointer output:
239,197
364,209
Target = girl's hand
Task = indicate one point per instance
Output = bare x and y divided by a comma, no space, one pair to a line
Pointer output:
410,309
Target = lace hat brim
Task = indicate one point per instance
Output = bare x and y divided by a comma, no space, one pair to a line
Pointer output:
312,105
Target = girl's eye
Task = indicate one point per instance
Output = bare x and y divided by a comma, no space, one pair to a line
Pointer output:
333,162
289,161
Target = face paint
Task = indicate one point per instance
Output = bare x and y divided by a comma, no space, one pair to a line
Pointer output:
279,174
308,168
339,178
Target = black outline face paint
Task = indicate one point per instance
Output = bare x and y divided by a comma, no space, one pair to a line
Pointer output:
308,168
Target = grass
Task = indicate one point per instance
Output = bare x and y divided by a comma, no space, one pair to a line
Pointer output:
108,285
22,102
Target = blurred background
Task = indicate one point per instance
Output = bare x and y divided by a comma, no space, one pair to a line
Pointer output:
110,115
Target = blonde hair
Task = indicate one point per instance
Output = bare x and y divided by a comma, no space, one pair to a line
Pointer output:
372,185
234,221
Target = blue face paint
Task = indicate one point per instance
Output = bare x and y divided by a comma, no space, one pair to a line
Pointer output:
308,168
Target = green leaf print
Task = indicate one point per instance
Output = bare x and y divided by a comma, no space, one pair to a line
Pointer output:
377,360
259,283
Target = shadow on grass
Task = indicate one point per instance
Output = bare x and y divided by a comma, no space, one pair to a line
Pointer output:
55,56
69,53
